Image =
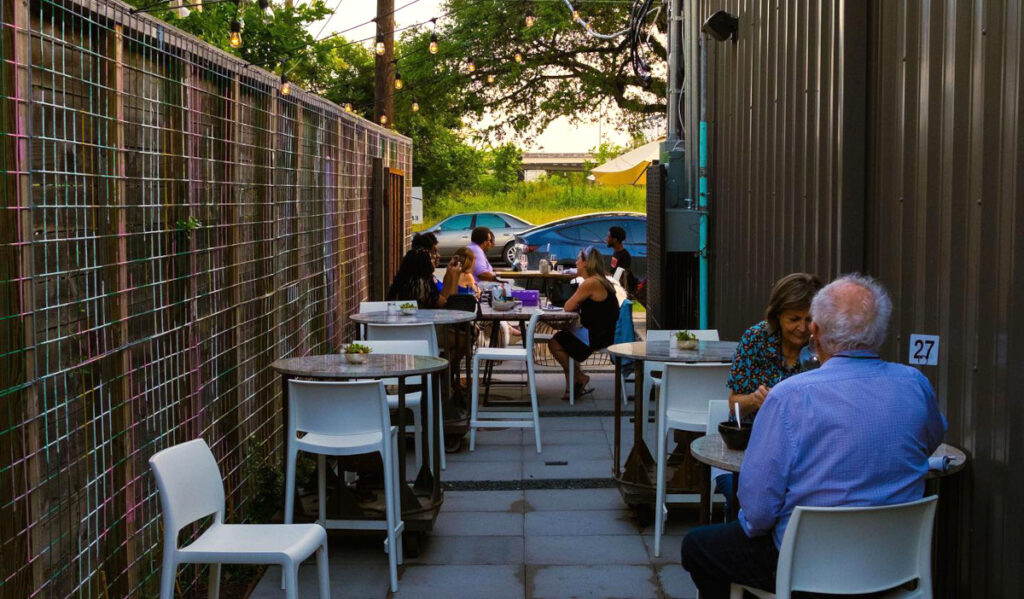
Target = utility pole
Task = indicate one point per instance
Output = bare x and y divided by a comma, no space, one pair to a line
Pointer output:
384,80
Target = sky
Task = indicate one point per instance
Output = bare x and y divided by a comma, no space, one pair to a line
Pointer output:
560,136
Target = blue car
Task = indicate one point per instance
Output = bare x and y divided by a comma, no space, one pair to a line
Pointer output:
567,237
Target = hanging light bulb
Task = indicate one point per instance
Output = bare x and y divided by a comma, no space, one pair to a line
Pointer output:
575,15
415,106
587,25
398,80
433,43
530,19
519,56
235,41
347,107
470,66
384,119
286,86
379,46
490,78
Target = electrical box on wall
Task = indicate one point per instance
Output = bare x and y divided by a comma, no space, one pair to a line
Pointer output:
682,230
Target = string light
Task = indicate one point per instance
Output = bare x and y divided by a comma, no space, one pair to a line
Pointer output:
433,43
415,106
470,66
519,56
235,41
490,78
575,15
347,107
379,46
286,86
384,119
398,80
530,19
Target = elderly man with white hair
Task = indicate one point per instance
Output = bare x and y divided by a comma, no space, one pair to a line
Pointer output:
856,432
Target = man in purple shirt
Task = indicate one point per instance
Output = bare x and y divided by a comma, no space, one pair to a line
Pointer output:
482,240
856,432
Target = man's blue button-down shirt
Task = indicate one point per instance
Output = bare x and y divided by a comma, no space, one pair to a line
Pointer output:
856,432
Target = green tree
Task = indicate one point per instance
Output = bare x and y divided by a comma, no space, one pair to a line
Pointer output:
506,163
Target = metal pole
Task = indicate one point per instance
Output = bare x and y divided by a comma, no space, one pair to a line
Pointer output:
702,191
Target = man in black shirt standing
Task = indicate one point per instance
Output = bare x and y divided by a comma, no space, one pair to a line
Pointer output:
620,256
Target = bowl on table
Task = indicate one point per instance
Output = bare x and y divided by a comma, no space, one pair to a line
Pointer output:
686,343
357,358
503,305
734,438
408,310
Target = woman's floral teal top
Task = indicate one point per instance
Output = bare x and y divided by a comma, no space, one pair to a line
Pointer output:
759,361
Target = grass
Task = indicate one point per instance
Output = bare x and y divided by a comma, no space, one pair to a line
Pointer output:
539,202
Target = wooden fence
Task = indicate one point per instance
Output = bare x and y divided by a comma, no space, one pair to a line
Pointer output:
170,225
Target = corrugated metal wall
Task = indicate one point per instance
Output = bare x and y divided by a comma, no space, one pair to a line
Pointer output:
885,136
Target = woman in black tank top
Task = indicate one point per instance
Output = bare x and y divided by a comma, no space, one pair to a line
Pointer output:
599,311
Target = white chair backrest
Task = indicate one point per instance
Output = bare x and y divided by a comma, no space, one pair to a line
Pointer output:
718,411
618,274
190,486
689,388
415,347
850,550
337,407
367,307
666,334
531,330
404,332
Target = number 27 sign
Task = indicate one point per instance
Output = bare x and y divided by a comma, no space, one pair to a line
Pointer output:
924,350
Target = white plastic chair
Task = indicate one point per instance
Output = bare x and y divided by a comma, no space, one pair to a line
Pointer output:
191,488
412,332
718,411
341,419
855,550
683,407
652,382
413,399
506,419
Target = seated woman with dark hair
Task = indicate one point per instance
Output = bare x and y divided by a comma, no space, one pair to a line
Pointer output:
415,281
599,311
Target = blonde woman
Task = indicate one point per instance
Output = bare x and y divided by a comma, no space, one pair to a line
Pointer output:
599,311
467,282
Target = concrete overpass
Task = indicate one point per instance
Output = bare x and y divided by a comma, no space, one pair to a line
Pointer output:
535,163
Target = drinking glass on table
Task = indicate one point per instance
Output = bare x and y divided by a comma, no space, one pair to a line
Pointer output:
560,268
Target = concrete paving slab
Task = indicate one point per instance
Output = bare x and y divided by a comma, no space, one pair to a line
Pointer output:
676,582
471,550
583,451
573,469
483,501
605,581
476,471
580,523
594,550
465,582
458,524
548,500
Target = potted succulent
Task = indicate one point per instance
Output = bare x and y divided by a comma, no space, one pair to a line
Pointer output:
356,353
408,308
686,340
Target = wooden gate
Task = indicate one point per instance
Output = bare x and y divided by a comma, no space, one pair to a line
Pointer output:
388,235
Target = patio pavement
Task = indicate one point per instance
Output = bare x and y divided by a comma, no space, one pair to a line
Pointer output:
514,524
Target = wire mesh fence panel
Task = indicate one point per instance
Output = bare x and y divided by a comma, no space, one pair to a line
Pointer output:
171,225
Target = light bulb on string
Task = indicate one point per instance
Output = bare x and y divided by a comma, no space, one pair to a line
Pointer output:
384,119
519,56
415,106
530,19
286,86
235,41
433,43
398,80
490,78
347,107
587,25
575,15
379,46
470,66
